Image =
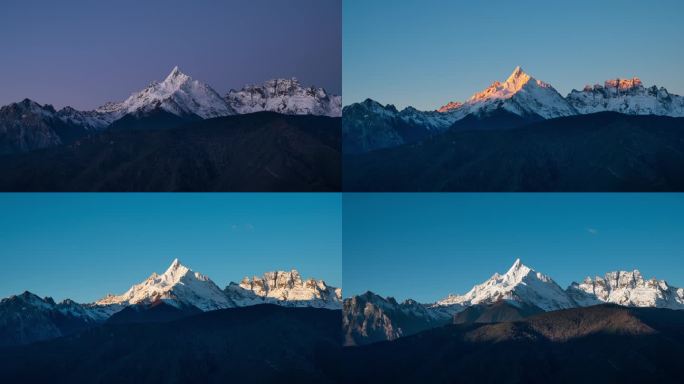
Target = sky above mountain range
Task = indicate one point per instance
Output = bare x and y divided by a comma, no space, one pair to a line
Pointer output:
83,246
85,53
428,53
411,246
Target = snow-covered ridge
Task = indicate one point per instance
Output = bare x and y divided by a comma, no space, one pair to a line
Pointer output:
525,96
28,318
28,301
431,120
627,288
285,96
628,96
522,284
182,95
180,286
184,288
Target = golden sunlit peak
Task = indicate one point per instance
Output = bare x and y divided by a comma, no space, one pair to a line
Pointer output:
518,76
623,83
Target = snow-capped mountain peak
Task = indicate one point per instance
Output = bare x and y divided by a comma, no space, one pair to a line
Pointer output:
178,286
514,84
519,284
520,94
178,94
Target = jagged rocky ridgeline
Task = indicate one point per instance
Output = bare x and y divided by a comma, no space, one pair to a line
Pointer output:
519,100
517,294
27,125
177,292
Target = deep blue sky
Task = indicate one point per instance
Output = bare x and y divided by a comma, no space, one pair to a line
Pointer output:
426,53
425,246
83,53
83,246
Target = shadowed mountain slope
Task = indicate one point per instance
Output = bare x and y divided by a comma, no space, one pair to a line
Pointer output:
599,152
255,152
258,344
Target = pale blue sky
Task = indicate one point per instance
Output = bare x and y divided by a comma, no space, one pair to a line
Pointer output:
426,53
83,246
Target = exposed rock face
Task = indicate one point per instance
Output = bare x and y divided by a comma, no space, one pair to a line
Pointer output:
287,288
370,318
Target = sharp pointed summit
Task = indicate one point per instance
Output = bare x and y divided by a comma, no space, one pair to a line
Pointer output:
175,72
174,264
517,73
176,77
518,79
517,265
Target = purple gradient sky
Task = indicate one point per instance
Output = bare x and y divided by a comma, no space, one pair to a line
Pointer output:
85,53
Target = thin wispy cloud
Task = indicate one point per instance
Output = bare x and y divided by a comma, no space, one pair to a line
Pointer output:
592,231
242,227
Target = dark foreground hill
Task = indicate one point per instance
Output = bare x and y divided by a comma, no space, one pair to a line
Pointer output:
267,343
601,344
255,152
263,343
597,152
